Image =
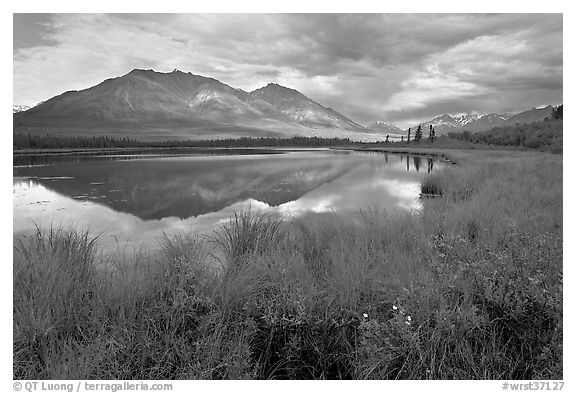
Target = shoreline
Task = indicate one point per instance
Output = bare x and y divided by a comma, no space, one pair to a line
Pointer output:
119,150
418,151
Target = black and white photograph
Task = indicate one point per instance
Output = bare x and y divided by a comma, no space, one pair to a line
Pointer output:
286,196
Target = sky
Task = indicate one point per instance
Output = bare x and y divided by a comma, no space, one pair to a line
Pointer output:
400,68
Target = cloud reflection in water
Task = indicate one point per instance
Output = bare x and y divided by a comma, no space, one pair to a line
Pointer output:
134,202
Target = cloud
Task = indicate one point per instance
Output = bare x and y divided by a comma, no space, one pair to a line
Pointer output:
368,66
504,73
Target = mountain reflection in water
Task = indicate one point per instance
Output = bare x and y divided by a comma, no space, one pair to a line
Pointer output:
135,200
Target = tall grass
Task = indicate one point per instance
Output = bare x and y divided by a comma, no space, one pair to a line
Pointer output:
246,233
469,288
53,285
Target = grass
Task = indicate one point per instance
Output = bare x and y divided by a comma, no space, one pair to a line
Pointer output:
469,288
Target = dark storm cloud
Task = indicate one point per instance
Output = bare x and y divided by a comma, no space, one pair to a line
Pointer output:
396,67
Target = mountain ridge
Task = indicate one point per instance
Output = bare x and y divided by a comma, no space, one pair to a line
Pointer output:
474,122
154,105
149,99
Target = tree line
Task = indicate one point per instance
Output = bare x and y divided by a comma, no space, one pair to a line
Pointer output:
418,135
23,140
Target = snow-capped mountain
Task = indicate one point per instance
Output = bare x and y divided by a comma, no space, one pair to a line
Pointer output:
465,122
20,108
442,125
467,118
384,128
487,122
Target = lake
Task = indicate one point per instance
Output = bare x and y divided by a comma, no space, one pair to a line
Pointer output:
131,200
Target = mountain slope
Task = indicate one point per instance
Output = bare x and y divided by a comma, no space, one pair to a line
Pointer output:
442,124
532,115
296,106
142,96
487,122
384,128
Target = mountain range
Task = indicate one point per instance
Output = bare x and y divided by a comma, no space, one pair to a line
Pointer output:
477,123
145,104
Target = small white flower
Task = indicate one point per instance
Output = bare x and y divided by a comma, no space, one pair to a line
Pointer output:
409,318
365,315
394,308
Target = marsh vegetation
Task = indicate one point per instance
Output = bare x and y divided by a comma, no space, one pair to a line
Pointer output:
468,288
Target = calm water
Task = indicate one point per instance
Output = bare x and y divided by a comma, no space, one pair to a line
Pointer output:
132,200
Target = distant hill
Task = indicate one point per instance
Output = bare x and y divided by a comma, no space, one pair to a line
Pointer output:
146,102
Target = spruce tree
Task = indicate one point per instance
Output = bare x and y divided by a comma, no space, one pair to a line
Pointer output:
431,134
418,134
